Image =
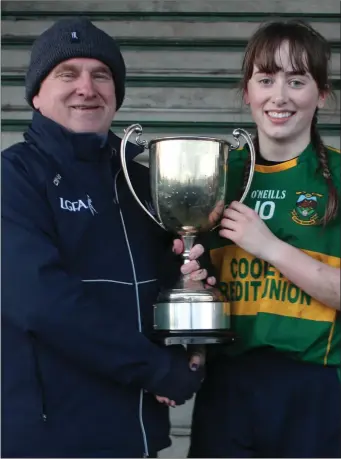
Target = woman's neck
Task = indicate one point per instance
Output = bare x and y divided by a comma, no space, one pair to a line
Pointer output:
281,150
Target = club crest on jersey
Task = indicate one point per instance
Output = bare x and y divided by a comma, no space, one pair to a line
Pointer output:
305,212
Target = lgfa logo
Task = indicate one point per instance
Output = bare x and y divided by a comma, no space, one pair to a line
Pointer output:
77,206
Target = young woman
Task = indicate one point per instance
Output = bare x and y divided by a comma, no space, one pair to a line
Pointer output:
276,391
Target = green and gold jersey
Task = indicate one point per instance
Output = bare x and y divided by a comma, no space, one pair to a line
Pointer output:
267,309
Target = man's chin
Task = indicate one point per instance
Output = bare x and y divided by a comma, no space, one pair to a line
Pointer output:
88,128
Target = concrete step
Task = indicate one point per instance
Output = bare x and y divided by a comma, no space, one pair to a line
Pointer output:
159,28
145,98
179,448
166,81
218,100
181,61
173,6
127,116
9,137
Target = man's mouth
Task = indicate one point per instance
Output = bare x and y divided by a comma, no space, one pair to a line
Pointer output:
85,107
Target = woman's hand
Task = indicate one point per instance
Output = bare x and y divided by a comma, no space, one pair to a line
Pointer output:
245,228
193,267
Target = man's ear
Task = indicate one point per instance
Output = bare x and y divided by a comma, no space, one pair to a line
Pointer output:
36,102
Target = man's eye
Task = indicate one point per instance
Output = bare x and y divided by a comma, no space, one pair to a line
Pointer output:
102,76
67,75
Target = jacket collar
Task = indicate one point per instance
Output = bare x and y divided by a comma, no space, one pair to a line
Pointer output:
54,139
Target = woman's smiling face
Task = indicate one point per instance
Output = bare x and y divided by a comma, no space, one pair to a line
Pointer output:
283,103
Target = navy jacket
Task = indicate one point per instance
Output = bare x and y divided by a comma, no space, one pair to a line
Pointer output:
79,276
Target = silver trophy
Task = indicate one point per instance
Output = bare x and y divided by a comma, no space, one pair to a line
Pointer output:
188,183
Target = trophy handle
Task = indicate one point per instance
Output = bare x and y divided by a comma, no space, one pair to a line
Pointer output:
137,128
236,134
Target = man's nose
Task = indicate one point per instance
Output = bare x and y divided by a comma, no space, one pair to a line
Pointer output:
85,86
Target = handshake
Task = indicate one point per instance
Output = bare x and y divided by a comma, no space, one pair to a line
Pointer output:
196,363
195,353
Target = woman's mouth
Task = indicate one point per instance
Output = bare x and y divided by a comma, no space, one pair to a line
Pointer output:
279,117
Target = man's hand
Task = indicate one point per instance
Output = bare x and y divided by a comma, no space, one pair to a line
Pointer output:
166,401
197,359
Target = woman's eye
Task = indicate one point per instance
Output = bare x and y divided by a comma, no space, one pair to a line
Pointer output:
265,81
296,83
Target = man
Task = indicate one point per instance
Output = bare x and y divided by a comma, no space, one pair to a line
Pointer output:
80,269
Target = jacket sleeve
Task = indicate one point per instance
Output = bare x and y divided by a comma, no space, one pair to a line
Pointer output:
41,298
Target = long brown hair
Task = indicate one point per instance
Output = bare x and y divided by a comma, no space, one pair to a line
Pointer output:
309,51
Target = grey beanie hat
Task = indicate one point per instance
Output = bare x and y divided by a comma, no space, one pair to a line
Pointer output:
70,38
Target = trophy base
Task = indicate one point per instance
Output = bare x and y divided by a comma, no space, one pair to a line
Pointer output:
192,317
170,337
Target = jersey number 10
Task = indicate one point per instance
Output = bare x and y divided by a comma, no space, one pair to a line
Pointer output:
265,209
